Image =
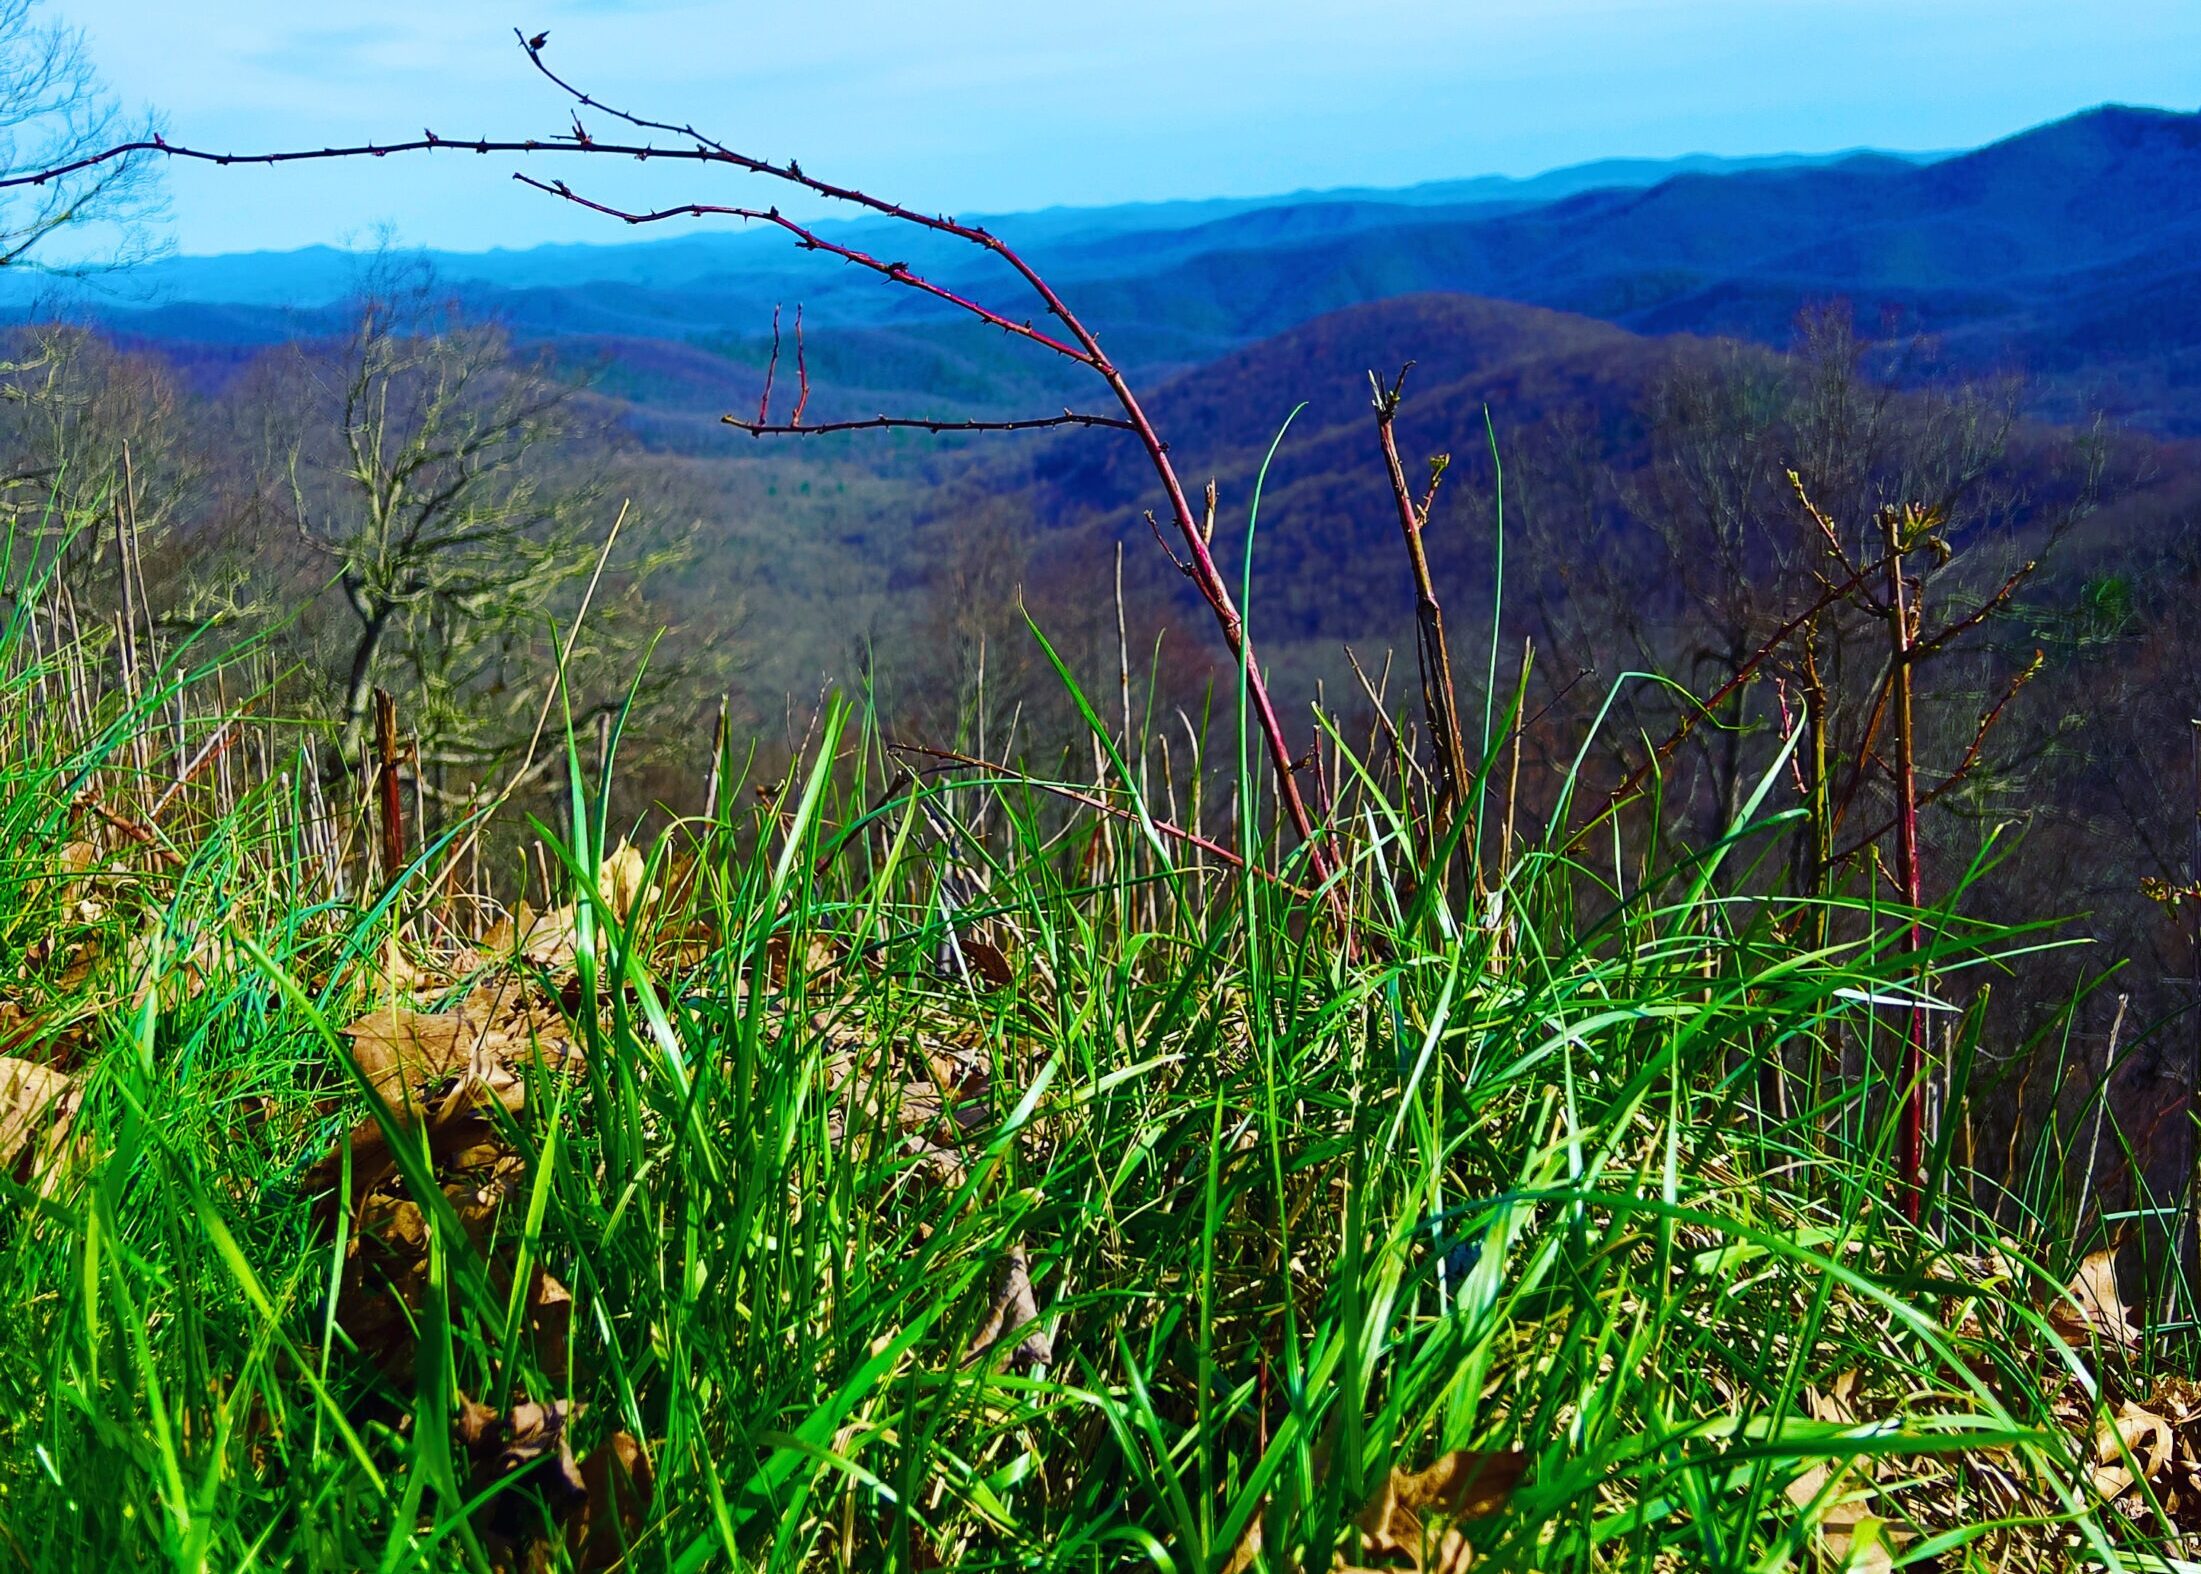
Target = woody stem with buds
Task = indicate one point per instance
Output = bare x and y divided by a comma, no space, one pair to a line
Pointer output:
1070,338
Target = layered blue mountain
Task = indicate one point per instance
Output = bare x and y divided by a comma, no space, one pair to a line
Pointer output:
2065,253
319,275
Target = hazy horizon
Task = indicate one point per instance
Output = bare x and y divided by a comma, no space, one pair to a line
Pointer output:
614,235
1016,111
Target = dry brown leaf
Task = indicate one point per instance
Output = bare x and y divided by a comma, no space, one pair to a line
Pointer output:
2090,1306
1014,1307
1836,1404
450,1076
617,1481
394,972
1870,1550
1416,1515
821,958
17,1027
944,1165
1844,1528
545,939
988,963
153,958
491,1043
619,880
385,1282
402,1052
531,1432
460,1132
550,940
1464,1484
956,1072
1805,1488
529,1437
1248,1549
36,1108
37,1104
81,860
550,1325
1447,1553
1413,1514
503,936
384,1288
2141,1434
2176,1399
1845,1532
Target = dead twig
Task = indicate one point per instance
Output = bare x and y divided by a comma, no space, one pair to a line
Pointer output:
1964,766
1100,805
879,423
1075,341
1440,700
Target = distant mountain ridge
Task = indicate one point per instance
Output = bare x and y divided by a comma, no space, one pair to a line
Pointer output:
315,276
2066,252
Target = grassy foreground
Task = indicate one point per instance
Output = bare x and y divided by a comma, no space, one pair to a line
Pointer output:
897,1170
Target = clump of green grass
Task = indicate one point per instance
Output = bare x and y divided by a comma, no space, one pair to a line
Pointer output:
946,1173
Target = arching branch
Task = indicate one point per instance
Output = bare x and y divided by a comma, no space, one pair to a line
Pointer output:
1075,341
922,423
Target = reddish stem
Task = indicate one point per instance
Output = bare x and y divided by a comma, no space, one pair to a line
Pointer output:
1741,675
1078,342
1912,1136
1440,698
921,423
771,369
393,803
802,372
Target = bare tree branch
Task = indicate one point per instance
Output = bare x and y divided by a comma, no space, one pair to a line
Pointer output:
1075,342
921,423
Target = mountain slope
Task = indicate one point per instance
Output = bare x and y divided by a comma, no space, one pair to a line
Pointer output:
315,276
1327,566
1993,249
2066,251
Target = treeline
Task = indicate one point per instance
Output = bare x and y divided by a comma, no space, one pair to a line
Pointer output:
420,505
416,502
413,504
2041,621
1695,549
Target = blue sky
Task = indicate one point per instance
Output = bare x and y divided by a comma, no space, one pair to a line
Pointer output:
994,105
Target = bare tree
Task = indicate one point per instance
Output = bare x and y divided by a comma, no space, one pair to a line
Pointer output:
86,423
1065,335
100,460
454,493
54,110
1730,584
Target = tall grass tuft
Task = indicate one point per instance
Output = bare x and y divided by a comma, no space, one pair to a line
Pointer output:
962,1168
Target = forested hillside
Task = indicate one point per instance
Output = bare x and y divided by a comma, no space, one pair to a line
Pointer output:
1497,877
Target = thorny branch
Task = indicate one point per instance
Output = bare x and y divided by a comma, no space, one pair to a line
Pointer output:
1075,341
951,759
922,423
808,239
802,372
771,369
1742,674
1440,699
1964,766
